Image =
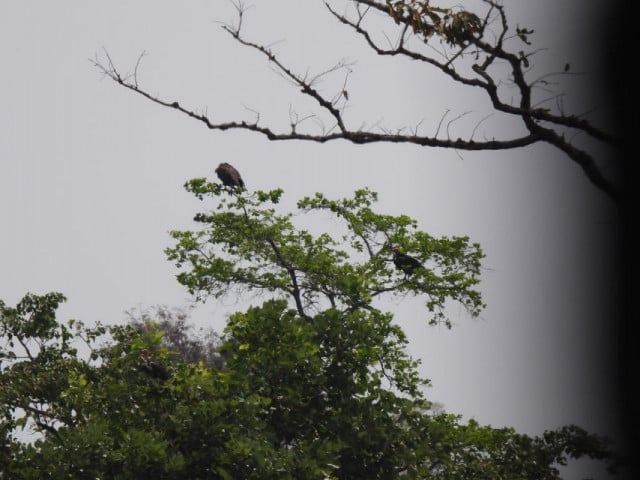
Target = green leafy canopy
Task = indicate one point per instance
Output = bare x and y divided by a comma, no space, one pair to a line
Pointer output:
313,383
245,244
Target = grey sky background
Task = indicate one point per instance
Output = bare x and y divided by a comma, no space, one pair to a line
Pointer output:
91,182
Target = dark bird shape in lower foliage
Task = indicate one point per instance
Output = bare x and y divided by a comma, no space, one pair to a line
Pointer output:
229,176
405,262
153,368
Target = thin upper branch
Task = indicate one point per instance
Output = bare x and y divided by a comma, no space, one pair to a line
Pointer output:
305,86
354,136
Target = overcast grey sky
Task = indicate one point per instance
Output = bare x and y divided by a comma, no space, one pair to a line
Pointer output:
91,182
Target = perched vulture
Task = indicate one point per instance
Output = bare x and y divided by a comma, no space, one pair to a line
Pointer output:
405,262
153,368
229,176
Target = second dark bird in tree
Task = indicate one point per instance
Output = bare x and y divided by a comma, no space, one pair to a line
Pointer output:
154,368
229,176
405,262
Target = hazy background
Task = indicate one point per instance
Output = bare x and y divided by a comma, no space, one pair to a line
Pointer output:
91,182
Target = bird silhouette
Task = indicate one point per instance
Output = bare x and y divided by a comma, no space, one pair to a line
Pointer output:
405,262
229,176
153,368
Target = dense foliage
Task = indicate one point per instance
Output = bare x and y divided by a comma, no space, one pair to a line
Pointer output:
312,383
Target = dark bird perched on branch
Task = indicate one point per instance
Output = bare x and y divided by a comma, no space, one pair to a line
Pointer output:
153,368
405,262
229,176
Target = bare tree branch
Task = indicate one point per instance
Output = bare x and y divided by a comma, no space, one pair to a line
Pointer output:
354,136
474,53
